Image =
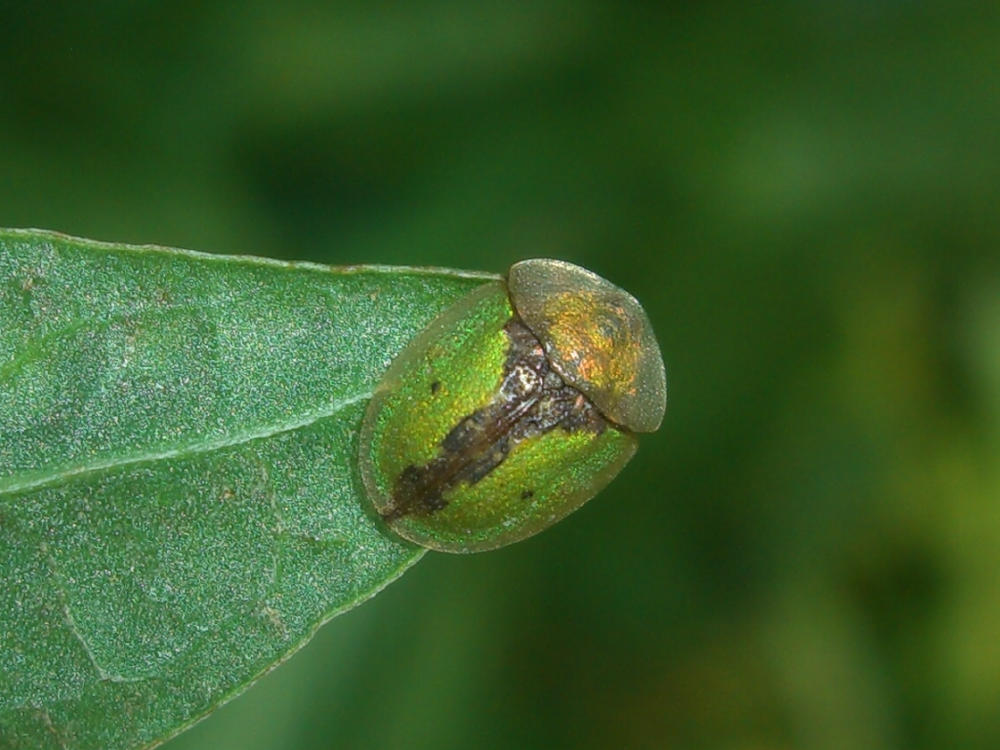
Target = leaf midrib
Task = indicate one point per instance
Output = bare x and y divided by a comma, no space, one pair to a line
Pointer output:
33,480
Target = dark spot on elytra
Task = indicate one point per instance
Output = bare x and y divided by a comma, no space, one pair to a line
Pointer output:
435,386
531,400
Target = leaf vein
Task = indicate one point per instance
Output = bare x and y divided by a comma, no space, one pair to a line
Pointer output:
51,727
103,675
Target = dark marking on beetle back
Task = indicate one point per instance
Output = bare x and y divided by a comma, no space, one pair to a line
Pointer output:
532,400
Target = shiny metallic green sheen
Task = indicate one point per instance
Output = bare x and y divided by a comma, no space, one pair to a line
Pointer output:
454,374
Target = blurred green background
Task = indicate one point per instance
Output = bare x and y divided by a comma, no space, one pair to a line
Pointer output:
804,196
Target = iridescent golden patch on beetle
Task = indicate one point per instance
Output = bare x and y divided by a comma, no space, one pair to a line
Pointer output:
597,342
597,337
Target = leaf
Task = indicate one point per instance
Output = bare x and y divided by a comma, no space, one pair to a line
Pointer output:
180,506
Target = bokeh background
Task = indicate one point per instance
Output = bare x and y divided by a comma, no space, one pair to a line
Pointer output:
805,197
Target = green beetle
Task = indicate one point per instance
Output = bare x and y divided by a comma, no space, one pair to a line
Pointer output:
511,409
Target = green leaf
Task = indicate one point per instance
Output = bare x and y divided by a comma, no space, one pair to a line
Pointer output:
180,506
